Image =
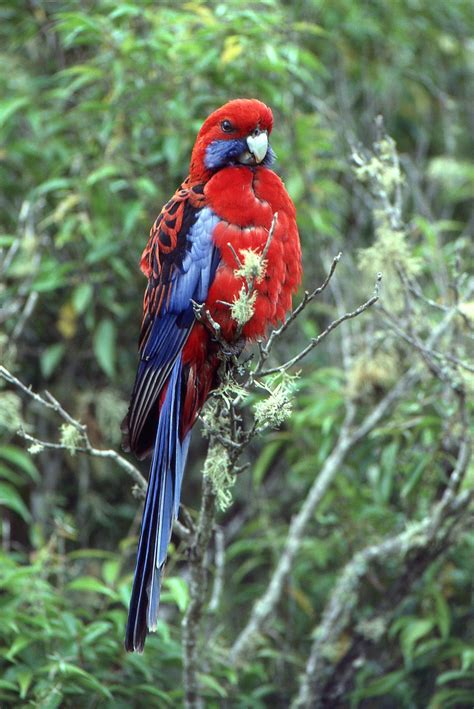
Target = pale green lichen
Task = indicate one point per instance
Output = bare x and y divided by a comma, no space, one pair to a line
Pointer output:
209,416
243,306
381,170
110,411
8,351
230,390
70,437
217,468
35,448
252,267
391,252
10,411
372,373
277,407
372,628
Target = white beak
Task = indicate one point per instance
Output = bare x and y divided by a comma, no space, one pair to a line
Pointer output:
258,145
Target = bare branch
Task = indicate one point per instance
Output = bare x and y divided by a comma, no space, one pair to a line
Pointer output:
428,353
423,536
307,298
332,326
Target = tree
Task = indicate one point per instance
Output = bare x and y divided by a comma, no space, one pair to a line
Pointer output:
352,521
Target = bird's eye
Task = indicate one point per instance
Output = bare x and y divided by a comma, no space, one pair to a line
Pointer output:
227,126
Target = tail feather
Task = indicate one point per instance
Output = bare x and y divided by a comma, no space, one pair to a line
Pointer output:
161,507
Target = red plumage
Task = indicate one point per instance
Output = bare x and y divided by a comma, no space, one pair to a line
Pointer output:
225,207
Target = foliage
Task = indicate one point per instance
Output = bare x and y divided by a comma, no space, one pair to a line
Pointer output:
100,103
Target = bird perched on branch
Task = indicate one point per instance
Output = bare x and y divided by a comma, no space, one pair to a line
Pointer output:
201,247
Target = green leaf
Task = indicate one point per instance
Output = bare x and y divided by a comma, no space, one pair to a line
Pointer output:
456,675
20,459
265,458
155,692
50,358
415,477
382,685
102,172
213,684
95,631
18,645
111,571
91,584
455,698
53,699
11,106
24,679
81,297
177,591
443,614
11,499
6,684
414,631
71,671
104,346
56,183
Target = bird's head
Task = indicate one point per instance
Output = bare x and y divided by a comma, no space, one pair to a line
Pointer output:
235,134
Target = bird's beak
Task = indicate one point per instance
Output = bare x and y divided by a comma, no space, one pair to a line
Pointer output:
258,145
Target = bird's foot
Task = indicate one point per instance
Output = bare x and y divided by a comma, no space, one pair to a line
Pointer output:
233,349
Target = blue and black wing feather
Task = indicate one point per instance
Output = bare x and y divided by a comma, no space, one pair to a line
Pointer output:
180,262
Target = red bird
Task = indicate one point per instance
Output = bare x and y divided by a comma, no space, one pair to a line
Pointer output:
223,209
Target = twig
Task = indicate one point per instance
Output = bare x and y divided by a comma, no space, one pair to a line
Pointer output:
332,326
428,353
26,313
197,591
424,536
219,561
307,298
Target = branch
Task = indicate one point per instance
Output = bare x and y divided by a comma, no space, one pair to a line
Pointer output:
219,561
332,326
307,298
264,607
429,537
344,597
197,591
428,354
85,445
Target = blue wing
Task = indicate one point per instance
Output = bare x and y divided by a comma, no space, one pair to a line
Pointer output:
178,276
180,261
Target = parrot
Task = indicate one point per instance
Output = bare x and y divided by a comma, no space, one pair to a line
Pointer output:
223,209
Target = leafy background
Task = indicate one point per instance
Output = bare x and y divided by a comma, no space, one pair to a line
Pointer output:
100,103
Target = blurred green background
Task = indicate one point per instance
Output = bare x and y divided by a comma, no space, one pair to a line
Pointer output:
100,103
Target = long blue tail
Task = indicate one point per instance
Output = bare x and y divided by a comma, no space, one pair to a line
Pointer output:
161,508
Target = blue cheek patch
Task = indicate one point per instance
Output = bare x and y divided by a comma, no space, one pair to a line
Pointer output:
222,152
269,158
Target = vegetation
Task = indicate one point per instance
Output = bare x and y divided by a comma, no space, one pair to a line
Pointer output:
99,106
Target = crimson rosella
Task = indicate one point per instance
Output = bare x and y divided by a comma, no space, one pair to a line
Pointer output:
223,209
